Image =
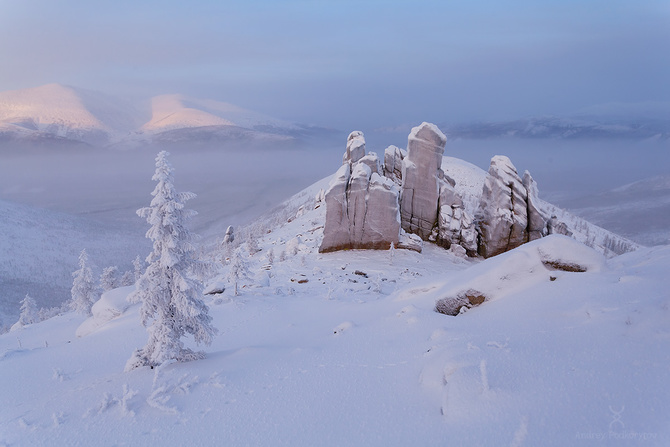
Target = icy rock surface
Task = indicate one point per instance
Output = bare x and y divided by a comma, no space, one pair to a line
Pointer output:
421,186
367,199
502,214
393,157
537,222
362,209
355,147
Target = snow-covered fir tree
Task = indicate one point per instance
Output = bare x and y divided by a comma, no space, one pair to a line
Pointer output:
83,288
28,311
172,304
128,279
138,265
109,278
239,269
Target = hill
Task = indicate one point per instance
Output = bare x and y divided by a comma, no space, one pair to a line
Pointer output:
346,348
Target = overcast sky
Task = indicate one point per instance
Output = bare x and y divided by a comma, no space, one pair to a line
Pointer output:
349,64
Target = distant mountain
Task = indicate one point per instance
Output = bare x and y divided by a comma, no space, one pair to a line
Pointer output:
57,113
621,121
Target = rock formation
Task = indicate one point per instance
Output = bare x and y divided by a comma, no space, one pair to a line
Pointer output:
420,181
537,222
393,157
408,199
361,206
508,215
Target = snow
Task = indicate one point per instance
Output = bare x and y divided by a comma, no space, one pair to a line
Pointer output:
110,305
356,355
75,114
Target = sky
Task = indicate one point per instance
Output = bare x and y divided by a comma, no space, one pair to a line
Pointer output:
349,64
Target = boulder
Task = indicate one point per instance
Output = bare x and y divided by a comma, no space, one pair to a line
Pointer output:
420,180
555,226
502,215
410,241
230,235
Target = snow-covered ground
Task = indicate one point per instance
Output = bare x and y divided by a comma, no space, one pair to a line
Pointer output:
345,348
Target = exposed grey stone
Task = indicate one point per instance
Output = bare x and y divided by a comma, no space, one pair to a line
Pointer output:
555,226
372,161
502,213
336,227
420,187
355,147
537,222
393,157
230,235
362,210
410,241
381,226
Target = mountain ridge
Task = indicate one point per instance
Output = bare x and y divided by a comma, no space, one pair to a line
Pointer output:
56,112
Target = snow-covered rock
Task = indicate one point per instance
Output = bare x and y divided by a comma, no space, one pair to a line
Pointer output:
393,157
502,214
361,207
110,305
442,200
537,221
420,187
355,147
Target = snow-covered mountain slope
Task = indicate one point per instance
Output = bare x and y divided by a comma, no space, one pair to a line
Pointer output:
637,210
345,348
179,112
66,112
39,250
61,113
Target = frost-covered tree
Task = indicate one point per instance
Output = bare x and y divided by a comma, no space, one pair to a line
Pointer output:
239,269
172,304
109,278
128,279
28,311
138,265
83,288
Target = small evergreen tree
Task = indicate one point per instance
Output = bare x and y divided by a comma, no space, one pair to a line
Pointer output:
128,279
239,269
138,265
172,304
28,311
83,289
109,279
